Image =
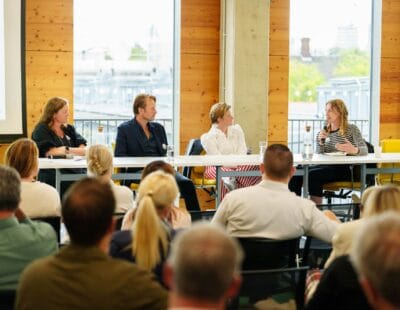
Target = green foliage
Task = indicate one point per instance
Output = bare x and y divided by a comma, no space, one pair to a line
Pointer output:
303,80
107,56
138,53
352,62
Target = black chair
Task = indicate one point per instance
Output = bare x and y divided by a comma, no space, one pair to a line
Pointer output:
272,267
54,221
201,215
119,217
343,189
196,174
7,299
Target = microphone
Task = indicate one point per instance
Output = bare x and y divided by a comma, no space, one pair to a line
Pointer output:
323,139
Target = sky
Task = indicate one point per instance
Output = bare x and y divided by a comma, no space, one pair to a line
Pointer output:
104,23
319,19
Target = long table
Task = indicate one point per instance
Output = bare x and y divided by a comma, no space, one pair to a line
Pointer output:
224,160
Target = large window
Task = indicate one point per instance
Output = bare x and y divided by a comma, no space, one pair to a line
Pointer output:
330,57
122,48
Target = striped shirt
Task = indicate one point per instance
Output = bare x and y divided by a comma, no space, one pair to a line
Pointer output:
352,134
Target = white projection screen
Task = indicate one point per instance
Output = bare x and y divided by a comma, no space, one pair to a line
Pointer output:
12,70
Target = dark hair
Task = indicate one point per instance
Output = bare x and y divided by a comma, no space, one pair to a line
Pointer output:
10,189
87,211
157,165
140,102
278,161
52,107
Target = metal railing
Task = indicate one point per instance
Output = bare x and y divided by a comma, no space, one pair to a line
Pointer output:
297,127
88,128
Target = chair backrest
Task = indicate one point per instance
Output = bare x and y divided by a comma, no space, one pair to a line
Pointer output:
7,299
201,215
258,285
54,221
389,146
194,147
263,253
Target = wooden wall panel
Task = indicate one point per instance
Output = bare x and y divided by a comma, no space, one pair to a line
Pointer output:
49,45
390,70
278,94
199,66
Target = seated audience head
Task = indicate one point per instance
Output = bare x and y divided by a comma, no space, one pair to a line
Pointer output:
220,111
141,101
100,161
10,190
158,165
382,198
278,163
87,211
156,194
376,257
52,107
23,156
204,266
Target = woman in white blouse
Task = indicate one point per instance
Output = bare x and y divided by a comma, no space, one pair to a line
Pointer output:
226,138
37,199
100,164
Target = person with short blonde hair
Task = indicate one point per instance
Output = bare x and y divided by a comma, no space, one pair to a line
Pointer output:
100,164
376,258
375,200
148,242
37,199
226,138
144,137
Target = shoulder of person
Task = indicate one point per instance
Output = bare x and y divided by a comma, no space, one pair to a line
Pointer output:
41,127
126,123
156,125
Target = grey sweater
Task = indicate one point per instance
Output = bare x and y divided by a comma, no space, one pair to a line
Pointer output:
352,134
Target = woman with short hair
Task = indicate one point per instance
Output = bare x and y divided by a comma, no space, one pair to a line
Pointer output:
226,138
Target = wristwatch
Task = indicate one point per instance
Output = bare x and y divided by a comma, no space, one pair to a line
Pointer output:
67,150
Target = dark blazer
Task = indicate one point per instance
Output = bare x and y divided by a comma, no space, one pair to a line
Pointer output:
129,142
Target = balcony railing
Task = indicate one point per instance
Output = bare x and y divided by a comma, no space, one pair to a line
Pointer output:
88,128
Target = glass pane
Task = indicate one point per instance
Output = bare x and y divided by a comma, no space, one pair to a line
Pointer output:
121,48
330,57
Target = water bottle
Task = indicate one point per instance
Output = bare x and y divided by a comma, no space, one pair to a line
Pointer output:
307,144
100,137
170,154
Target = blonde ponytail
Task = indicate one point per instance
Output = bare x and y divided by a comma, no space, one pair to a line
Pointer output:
157,191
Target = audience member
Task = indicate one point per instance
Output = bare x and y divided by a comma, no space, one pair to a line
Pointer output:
375,200
55,137
141,136
37,199
376,257
224,138
203,270
147,243
269,209
82,275
21,240
177,217
100,164
337,136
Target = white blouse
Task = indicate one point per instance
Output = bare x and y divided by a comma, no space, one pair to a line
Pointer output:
215,142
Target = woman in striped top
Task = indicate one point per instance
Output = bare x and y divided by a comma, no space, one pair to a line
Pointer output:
338,135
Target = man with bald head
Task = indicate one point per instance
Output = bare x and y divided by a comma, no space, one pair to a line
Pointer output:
269,209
